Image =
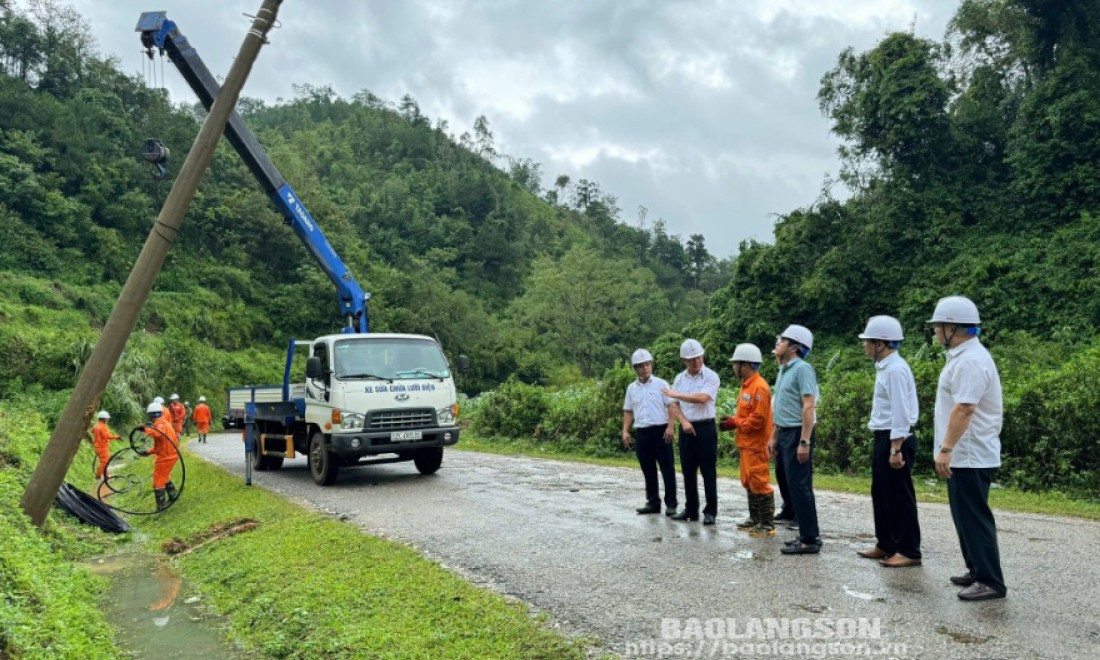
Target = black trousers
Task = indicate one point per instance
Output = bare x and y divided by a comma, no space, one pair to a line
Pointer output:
699,452
787,511
800,480
654,452
893,499
968,495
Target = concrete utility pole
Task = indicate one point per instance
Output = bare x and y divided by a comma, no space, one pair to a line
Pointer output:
65,440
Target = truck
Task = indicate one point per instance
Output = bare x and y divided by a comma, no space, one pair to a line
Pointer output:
237,399
365,398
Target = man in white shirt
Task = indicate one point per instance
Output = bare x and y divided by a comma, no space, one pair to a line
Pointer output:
646,409
695,390
894,413
969,414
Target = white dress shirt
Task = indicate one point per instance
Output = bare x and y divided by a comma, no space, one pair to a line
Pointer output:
645,400
894,407
970,377
706,381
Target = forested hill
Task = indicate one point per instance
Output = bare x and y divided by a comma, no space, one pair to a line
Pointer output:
975,169
451,237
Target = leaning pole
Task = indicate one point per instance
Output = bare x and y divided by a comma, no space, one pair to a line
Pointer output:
65,439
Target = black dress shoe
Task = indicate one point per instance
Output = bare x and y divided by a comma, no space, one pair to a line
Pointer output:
979,591
801,549
708,519
963,580
685,516
783,518
649,508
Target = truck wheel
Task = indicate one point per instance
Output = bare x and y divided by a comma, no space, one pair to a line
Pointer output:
323,464
428,460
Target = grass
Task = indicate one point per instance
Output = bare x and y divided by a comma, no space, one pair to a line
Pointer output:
929,489
303,585
48,605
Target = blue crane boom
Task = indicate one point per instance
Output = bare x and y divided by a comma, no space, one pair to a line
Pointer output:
159,32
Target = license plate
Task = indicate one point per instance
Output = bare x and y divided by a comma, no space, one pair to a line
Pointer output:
405,436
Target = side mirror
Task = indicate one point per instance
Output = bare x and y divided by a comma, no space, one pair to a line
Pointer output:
463,364
313,368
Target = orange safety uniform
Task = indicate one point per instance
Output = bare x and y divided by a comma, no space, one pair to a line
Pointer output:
179,414
753,423
164,452
102,437
201,417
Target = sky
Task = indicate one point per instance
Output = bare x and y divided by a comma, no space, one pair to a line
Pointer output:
704,112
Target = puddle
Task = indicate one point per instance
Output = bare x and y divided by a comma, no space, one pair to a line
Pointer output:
743,554
144,603
863,596
961,636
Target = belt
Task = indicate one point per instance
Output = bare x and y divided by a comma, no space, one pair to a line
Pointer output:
702,421
912,430
651,426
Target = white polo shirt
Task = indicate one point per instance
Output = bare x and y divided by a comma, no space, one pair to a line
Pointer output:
894,407
705,381
970,376
645,400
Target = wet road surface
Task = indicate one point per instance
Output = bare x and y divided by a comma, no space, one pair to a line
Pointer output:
564,538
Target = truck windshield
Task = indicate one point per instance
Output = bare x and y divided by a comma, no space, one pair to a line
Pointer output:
388,359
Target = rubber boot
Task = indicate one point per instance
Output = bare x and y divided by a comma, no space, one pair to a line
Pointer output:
170,488
749,522
765,513
161,497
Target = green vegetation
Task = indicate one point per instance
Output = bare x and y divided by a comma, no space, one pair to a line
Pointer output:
47,602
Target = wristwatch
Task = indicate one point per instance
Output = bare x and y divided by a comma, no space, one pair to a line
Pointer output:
804,442
946,450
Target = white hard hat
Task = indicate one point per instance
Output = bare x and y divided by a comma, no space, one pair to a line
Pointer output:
691,349
956,309
883,328
202,399
154,407
175,397
800,334
640,356
747,353
103,414
159,399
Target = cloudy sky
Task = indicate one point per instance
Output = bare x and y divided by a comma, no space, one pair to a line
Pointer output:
702,111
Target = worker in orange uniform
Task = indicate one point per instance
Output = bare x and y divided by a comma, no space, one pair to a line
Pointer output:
753,424
202,417
179,414
164,454
166,412
102,437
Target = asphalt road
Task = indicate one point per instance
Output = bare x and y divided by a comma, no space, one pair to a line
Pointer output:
564,538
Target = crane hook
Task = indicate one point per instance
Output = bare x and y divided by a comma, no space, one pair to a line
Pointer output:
156,154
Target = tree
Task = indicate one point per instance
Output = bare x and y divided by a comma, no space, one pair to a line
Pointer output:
588,308
890,104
